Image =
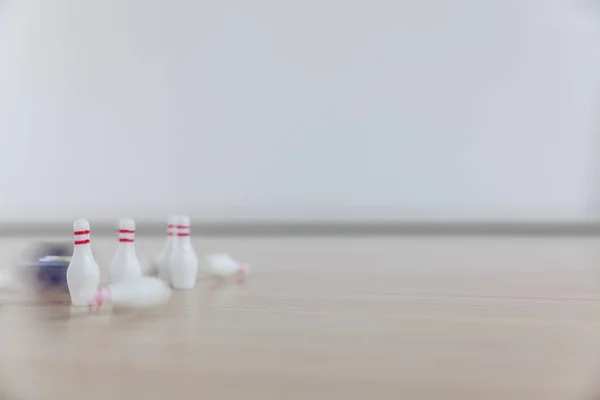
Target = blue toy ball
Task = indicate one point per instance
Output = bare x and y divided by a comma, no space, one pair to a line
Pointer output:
47,265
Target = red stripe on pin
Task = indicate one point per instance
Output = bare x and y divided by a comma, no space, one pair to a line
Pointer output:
81,233
125,240
183,227
126,231
183,234
78,242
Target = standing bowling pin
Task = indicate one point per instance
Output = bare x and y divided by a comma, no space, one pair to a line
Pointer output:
223,266
161,263
83,273
183,268
142,292
125,265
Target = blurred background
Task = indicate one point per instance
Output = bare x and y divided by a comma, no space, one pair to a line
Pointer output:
290,113
430,110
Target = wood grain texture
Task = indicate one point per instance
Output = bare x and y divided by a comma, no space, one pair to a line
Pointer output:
327,318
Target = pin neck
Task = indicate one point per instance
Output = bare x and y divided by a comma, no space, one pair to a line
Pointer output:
183,234
171,230
126,247
81,239
82,247
183,240
126,236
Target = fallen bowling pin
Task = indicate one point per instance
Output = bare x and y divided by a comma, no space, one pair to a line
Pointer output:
142,292
224,266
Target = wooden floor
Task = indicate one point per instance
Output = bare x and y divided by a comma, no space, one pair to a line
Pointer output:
324,318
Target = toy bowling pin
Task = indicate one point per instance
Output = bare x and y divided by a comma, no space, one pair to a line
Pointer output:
142,292
183,268
125,265
223,266
161,263
83,273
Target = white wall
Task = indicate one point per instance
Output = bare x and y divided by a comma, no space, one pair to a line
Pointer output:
267,108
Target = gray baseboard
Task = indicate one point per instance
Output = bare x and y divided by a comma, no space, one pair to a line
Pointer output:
324,228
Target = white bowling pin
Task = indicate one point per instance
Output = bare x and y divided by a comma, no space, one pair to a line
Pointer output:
161,263
183,268
125,265
142,292
83,273
223,266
